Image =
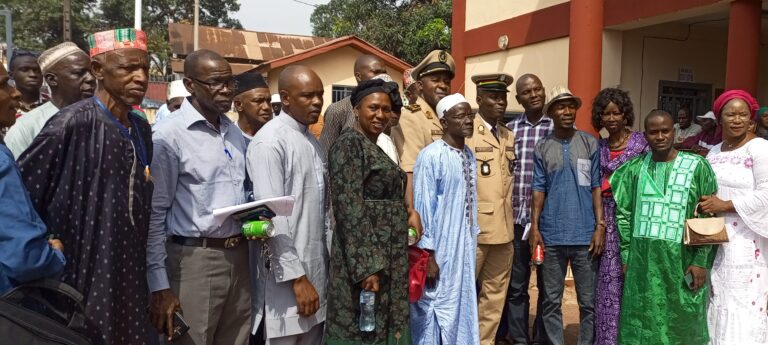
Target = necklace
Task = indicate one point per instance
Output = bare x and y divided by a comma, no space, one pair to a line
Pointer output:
621,143
732,146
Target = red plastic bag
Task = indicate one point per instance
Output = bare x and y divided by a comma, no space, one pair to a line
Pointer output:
418,259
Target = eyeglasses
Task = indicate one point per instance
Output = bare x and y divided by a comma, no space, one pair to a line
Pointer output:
733,116
231,84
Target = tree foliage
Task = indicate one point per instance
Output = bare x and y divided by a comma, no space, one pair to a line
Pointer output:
158,13
38,26
408,29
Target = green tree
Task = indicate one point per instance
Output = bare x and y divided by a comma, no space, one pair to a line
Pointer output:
408,29
38,24
158,13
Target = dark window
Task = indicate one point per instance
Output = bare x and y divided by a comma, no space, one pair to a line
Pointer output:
674,95
340,91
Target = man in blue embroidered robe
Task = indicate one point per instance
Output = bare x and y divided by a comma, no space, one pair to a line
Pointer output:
445,195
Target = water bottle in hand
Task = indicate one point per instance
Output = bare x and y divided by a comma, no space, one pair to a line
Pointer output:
367,311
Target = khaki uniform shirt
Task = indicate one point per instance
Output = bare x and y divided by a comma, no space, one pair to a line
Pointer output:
419,127
494,182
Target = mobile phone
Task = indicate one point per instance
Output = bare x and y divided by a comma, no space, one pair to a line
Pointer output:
689,280
180,326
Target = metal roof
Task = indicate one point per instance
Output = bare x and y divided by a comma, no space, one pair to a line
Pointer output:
249,48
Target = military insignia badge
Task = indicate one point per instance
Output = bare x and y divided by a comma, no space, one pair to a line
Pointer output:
485,168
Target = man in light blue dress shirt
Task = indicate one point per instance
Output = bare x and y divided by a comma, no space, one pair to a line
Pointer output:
290,269
195,265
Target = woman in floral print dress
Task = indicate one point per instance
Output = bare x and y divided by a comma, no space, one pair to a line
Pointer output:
370,240
612,110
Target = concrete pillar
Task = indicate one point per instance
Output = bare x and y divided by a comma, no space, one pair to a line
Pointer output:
743,58
585,56
457,44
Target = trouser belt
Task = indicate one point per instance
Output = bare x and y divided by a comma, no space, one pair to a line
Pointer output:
205,242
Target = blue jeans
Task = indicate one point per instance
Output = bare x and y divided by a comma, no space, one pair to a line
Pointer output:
553,270
514,318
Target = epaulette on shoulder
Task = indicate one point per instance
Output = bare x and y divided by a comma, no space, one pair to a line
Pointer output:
413,107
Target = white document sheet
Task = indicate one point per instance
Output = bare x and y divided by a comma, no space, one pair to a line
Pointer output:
281,206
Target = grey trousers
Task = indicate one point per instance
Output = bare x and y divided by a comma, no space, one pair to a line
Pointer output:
213,286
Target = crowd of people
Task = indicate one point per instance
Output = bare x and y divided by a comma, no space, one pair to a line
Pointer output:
93,195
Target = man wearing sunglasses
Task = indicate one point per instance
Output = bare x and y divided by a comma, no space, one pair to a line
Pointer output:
196,266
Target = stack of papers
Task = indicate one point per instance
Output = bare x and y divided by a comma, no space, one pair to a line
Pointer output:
281,206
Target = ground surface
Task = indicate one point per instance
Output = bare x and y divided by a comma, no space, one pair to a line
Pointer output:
570,310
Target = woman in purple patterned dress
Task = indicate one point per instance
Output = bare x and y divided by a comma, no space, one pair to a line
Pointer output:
612,110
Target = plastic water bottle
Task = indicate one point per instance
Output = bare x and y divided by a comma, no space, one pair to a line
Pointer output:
367,311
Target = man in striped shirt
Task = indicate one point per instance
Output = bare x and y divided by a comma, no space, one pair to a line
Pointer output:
527,128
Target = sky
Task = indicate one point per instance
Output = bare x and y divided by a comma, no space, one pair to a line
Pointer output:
277,16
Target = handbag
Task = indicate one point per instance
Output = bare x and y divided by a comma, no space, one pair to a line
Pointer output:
43,312
418,259
704,231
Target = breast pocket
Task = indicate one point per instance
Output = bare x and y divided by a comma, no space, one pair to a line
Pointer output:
584,172
484,166
510,162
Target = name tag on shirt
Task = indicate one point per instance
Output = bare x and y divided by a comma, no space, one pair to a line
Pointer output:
484,149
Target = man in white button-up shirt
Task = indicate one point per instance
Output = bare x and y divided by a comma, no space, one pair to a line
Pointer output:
285,159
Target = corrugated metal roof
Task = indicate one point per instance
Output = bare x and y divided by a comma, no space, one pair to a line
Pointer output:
240,44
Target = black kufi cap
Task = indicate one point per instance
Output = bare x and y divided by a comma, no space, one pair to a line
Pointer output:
249,81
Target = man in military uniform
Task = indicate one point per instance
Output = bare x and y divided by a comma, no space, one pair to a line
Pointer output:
419,125
494,148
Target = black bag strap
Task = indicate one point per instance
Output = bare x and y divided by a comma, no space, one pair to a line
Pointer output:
32,290
46,284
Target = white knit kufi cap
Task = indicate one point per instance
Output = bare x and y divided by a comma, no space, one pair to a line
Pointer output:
51,56
177,89
449,102
275,98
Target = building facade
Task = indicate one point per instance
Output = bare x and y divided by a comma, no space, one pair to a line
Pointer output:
667,54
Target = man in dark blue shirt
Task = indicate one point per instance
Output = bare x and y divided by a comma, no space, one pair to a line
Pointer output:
25,255
566,215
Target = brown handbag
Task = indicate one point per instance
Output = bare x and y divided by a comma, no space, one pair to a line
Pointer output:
704,231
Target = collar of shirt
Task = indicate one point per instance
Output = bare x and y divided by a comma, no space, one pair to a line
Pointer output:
487,125
246,135
192,116
543,120
289,121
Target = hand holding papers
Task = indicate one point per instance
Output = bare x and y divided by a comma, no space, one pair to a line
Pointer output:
281,206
